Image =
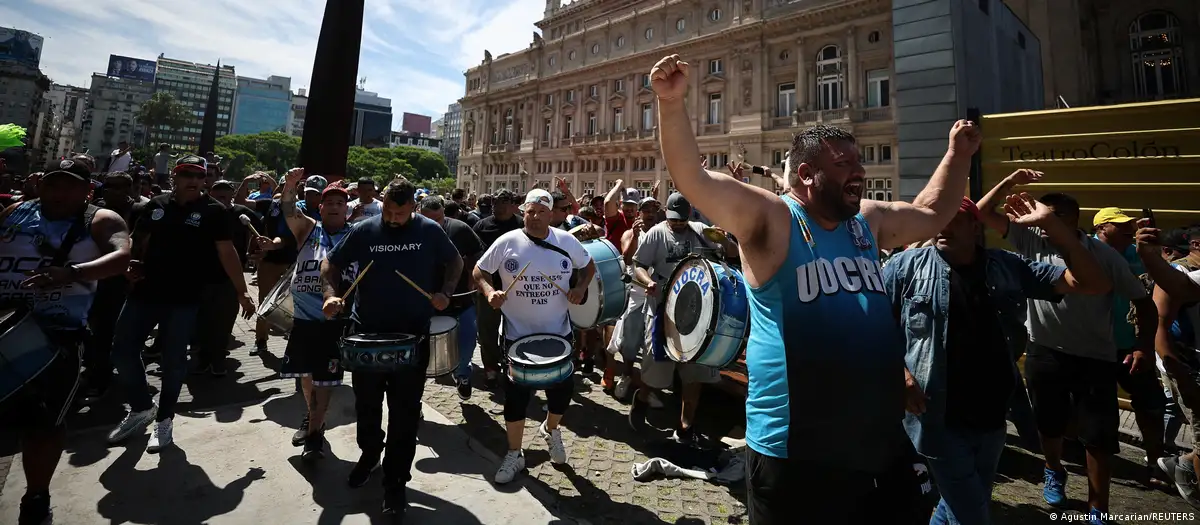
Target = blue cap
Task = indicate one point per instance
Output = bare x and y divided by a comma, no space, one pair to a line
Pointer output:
315,183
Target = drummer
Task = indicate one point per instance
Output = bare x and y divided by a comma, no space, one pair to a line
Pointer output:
312,352
396,242
658,252
537,305
629,336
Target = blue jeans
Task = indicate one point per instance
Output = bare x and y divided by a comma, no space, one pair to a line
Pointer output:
964,474
176,322
466,342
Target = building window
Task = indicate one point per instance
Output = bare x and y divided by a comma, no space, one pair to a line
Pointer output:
879,189
618,85
592,129
618,120
715,67
718,161
786,101
873,37
777,158
620,41
680,25
649,34
593,91
784,55
715,15
645,80
571,55
885,153
570,95
553,60
508,125
569,127
647,117
830,80
595,49
546,130
878,88
714,108
868,154
549,100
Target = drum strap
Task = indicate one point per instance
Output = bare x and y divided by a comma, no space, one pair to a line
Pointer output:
541,243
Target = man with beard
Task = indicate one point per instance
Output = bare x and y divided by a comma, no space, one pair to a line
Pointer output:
537,305
177,241
72,245
502,220
470,248
396,242
823,324
961,307
630,332
312,352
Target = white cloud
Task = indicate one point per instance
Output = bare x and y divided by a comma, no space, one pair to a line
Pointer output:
413,51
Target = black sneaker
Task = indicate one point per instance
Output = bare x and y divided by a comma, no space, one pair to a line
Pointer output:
300,435
491,380
314,447
464,388
395,504
363,469
586,365
637,412
691,438
260,346
35,509
218,368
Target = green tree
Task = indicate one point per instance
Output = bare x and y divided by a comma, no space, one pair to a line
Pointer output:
162,110
273,151
431,165
439,186
237,163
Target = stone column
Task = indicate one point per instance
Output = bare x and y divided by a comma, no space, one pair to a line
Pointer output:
851,68
802,68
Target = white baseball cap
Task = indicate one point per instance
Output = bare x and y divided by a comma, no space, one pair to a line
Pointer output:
538,196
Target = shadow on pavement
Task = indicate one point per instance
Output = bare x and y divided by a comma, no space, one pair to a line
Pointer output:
289,411
453,455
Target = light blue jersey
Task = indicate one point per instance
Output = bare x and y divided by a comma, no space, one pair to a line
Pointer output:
307,297
28,241
823,331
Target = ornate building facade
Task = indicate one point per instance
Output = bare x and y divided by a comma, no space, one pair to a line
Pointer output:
577,103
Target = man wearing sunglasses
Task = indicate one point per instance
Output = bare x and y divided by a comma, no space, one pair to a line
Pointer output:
182,244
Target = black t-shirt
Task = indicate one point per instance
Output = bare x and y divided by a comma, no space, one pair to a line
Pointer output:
470,247
241,234
181,253
276,226
490,228
383,301
979,378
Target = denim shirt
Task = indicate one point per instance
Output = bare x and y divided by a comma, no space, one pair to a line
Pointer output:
918,283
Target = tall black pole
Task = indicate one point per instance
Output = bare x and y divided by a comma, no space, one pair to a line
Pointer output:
330,110
208,132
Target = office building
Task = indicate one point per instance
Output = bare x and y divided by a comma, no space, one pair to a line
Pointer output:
372,123
68,105
22,90
110,114
262,105
299,107
435,129
451,135
189,82
414,123
415,140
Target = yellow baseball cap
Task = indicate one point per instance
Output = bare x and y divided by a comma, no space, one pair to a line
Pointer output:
1110,215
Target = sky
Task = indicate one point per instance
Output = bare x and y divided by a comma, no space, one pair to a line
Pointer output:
413,51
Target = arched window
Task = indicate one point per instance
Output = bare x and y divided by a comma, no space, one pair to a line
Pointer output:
831,82
1157,55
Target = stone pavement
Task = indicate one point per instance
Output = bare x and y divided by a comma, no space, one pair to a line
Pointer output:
236,466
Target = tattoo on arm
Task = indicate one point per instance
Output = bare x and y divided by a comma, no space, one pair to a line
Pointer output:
331,279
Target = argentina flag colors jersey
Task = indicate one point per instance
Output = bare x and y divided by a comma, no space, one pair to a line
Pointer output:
27,242
306,280
825,355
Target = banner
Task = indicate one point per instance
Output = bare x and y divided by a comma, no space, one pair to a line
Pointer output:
20,46
131,68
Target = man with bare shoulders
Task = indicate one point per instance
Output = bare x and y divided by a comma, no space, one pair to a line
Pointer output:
823,325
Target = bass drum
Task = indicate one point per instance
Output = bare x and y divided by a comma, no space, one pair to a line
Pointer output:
277,309
606,294
707,313
25,351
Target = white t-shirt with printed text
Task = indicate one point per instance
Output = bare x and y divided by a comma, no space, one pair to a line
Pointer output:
534,305
371,209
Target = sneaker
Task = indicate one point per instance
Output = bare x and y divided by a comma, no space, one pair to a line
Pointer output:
160,436
691,438
361,473
1167,466
92,395
464,387
491,380
1185,482
1055,491
637,412
260,346
314,447
35,509
558,453
218,368
513,463
1095,517
623,385
394,504
300,435
586,365
133,422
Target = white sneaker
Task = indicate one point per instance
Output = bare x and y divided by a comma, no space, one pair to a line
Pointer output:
513,463
160,436
558,453
623,385
133,422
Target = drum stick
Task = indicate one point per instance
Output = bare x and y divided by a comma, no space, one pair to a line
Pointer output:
517,278
246,221
414,285
357,279
553,283
627,279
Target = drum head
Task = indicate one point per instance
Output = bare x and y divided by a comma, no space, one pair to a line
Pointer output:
442,324
586,313
537,350
380,339
690,309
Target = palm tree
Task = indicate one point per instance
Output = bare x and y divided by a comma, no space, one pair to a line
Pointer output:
162,110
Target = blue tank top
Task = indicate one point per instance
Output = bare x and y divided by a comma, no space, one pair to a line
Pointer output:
28,241
307,297
824,331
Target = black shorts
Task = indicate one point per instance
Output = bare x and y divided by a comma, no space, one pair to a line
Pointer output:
45,402
314,350
1062,386
1145,391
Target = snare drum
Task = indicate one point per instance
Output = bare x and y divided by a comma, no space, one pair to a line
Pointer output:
25,351
443,346
607,293
707,313
278,309
378,352
540,361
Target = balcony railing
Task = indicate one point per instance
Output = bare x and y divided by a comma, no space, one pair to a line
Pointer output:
826,115
781,122
712,129
873,114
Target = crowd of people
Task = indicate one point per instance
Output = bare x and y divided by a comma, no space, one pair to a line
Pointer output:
878,328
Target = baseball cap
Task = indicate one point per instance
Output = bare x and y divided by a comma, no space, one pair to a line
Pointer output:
333,188
315,183
969,206
647,200
222,184
70,167
678,207
1110,215
191,163
632,196
538,196
505,195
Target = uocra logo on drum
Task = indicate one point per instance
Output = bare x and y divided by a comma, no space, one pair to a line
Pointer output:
843,274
